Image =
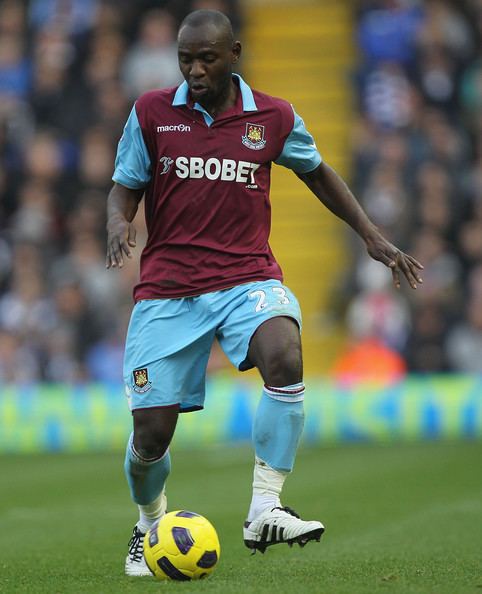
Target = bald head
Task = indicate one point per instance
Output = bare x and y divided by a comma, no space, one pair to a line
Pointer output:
213,19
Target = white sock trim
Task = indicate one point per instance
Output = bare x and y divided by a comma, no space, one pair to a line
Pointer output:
293,393
139,458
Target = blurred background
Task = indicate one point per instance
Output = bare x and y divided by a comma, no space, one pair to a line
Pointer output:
392,92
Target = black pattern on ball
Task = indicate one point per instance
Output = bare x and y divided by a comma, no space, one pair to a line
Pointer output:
171,571
209,559
183,539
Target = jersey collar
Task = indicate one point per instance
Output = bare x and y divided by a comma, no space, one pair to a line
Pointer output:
249,104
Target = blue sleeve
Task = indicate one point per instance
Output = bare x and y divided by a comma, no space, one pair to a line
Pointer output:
132,162
299,152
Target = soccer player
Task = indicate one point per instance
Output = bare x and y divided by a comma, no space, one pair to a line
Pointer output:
201,156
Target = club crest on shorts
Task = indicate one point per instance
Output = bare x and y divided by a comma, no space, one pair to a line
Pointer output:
254,137
141,380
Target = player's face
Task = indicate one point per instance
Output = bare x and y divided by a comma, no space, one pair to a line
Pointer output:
206,59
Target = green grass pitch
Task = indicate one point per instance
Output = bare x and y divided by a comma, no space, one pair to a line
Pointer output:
401,519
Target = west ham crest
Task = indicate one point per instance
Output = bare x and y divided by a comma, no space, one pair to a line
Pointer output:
254,137
141,381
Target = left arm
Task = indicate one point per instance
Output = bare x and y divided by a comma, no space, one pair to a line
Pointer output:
332,191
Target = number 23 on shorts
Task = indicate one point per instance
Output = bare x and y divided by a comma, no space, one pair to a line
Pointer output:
263,298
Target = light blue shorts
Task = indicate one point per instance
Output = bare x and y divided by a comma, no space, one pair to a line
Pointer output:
169,340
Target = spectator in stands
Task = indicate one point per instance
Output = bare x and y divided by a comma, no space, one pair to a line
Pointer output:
425,348
445,27
105,358
387,96
83,263
470,238
50,97
471,95
15,67
436,73
18,364
111,108
388,32
74,17
464,342
105,59
44,159
152,62
77,327
436,201
25,309
95,159
34,220
386,202
445,142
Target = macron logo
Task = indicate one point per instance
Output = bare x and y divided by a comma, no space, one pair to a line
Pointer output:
174,128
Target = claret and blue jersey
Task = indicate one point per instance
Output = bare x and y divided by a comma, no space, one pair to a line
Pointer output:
206,185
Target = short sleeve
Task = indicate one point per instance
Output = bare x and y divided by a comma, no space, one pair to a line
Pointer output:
299,151
132,163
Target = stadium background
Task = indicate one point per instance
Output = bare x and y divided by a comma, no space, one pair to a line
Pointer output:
391,90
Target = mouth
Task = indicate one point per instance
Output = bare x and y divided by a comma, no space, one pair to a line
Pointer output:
198,89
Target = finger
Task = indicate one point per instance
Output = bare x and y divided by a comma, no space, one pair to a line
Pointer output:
412,260
415,272
407,271
412,264
125,248
394,261
116,253
395,275
110,261
131,239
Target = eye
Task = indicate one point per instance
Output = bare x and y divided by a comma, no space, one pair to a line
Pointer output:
184,59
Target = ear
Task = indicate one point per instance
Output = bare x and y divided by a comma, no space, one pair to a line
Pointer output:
236,52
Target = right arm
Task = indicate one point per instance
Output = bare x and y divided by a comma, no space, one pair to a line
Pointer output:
122,204
131,176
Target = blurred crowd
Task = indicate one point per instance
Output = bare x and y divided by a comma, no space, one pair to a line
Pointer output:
69,73
417,169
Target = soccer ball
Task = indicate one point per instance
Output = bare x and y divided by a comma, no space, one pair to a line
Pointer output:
181,546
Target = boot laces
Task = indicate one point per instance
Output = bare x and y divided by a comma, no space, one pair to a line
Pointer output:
288,510
136,545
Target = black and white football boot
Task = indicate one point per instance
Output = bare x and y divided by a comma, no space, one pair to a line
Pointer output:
279,525
135,564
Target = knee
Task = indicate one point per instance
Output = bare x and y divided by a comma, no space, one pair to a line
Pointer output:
153,430
150,444
151,440
284,367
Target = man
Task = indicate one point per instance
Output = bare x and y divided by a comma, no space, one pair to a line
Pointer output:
201,156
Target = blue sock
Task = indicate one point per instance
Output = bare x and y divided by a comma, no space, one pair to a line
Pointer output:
146,478
278,425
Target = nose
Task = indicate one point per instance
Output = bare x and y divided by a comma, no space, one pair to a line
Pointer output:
197,69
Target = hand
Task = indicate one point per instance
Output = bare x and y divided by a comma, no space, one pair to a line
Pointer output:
121,236
382,250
